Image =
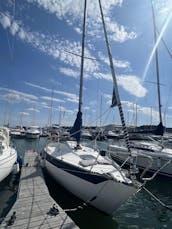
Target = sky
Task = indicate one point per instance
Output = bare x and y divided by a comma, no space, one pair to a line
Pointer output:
40,61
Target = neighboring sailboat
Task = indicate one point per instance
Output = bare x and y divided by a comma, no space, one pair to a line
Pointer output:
8,155
95,179
153,153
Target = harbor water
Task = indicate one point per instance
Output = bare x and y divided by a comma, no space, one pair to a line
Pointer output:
140,211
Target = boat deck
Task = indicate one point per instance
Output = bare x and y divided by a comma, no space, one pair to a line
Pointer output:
33,204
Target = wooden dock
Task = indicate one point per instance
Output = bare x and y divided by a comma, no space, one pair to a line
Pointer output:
33,207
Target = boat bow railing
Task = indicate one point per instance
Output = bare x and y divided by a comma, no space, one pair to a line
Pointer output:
156,172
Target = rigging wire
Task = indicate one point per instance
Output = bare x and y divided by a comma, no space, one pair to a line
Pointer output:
165,45
76,54
116,98
166,105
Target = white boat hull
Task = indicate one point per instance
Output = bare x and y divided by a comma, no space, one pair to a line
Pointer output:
32,136
106,196
7,163
158,160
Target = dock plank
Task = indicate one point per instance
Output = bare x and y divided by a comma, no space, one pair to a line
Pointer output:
34,201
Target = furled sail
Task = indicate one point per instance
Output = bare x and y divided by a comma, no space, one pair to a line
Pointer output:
75,131
159,129
115,101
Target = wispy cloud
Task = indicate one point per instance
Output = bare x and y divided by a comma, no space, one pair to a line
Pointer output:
33,109
39,87
24,113
58,49
105,76
163,7
117,63
69,96
72,12
86,108
64,109
69,72
14,96
50,45
118,32
133,108
132,84
52,99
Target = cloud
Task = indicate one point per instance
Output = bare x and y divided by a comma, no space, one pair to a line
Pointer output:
72,12
163,7
148,111
5,20
52,99
14,96
39,87
118,32
33,109
59,50
86,108
50,45
74,9
132,84
24,113
64,109
69,72
117,63
69,96
105,76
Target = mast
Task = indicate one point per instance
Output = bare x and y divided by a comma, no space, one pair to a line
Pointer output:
82,58
76,129
116,97
157,65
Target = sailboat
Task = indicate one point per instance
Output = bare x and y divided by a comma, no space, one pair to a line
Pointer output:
93,178
8,155
151,155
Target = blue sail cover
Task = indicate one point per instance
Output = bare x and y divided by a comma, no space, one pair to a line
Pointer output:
159,129
114,98
75,131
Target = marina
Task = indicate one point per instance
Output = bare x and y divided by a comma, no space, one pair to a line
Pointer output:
86,121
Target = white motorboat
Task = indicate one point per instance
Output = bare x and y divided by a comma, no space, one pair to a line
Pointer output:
111,134
33,132
17,133
86,135
8,155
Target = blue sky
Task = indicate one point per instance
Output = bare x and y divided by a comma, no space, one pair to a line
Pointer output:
40,47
